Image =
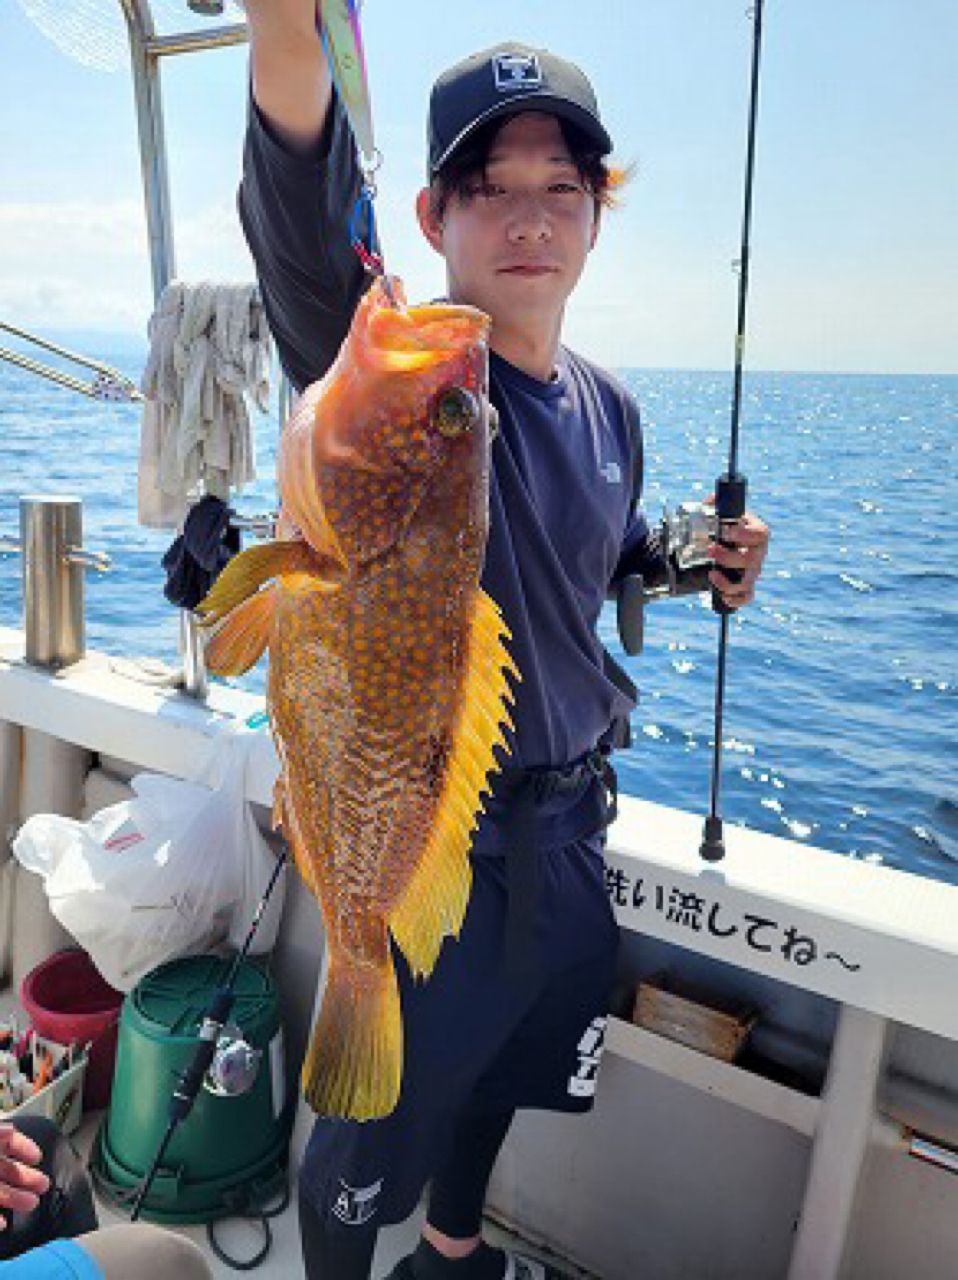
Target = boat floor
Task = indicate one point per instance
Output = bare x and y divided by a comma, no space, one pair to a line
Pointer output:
242,1239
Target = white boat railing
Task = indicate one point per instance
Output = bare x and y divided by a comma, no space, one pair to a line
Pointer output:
882,944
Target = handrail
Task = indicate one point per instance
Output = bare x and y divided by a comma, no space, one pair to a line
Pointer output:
197,41
109,384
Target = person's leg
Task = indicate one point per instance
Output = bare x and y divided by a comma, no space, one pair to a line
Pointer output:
451,1247
458,1190
146,1252
332,1250
356,1177
550,1062
66,1209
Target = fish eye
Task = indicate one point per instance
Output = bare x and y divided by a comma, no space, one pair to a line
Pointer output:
456,412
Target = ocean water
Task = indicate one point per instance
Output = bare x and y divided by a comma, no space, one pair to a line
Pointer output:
841,722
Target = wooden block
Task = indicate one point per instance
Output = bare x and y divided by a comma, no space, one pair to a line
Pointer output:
711,1023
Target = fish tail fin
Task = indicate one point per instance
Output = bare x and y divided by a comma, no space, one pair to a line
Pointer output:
433,904
353,1066
240,640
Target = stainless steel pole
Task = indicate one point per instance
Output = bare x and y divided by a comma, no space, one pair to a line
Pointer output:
159,219
50,529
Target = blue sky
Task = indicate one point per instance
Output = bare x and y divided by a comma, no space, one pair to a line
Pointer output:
855,233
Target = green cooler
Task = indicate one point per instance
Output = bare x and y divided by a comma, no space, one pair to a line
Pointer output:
229,1154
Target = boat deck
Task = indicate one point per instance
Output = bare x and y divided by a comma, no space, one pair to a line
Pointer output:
242,1239
841,1123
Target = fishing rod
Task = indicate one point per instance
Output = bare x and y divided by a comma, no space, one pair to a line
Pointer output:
731,486
193,1076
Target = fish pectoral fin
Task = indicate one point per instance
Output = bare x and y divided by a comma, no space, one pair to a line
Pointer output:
241,637
433,903
353,1067
247,572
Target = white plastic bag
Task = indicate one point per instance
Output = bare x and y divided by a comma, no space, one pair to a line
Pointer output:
174,871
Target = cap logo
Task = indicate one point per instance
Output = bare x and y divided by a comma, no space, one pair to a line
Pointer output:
516,71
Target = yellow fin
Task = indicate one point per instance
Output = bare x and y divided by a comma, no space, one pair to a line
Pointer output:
240,640
353,1066
247,572
433,904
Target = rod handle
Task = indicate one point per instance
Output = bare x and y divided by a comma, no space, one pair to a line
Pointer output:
730,495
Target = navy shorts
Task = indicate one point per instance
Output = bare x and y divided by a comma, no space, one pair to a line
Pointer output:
478,1038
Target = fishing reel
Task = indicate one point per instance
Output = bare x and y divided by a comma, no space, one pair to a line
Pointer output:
234,1065
684,537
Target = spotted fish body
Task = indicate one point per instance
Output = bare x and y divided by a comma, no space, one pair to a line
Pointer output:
387,664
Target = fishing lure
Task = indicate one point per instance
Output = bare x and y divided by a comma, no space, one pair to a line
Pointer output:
338,25
337,22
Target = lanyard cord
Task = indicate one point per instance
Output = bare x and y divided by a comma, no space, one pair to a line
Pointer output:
731,487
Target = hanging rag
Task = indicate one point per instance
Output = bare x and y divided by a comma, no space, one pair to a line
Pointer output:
209,350
200,553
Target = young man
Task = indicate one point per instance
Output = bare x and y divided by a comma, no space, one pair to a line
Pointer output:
514,1013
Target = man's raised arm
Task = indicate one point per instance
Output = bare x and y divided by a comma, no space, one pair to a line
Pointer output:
298,191
291,82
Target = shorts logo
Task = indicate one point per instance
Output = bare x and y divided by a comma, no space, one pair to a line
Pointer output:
582,1084
356,1205
516,71
612,472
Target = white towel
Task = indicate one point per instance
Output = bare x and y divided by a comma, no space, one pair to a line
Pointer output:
209,350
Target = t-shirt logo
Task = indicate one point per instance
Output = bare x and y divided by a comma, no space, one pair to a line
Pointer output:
356,1205
516,71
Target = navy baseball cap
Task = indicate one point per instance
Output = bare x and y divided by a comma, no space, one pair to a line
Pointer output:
503,81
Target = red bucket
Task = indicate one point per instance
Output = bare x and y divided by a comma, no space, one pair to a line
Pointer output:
67,1000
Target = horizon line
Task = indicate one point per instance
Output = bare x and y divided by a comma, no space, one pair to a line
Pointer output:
130,338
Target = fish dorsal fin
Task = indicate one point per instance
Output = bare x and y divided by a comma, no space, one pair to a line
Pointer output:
247,572
433,905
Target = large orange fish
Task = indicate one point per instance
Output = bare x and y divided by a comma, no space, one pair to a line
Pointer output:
387,666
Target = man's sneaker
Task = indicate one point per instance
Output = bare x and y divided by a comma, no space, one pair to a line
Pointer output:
403,1270
520,1267
485,1264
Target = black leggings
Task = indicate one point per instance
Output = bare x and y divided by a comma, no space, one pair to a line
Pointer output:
65,1209
334,1251
458,1191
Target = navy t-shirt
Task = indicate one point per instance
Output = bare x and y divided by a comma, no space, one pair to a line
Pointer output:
563,522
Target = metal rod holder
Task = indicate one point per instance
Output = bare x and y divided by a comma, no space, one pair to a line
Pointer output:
53,563
196,681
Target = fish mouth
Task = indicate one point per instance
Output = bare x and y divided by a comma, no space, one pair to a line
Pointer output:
421,337
444,324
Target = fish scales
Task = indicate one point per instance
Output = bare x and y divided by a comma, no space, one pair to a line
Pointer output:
387,688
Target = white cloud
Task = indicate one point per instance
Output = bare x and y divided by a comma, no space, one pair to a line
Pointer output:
642,301
83,265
